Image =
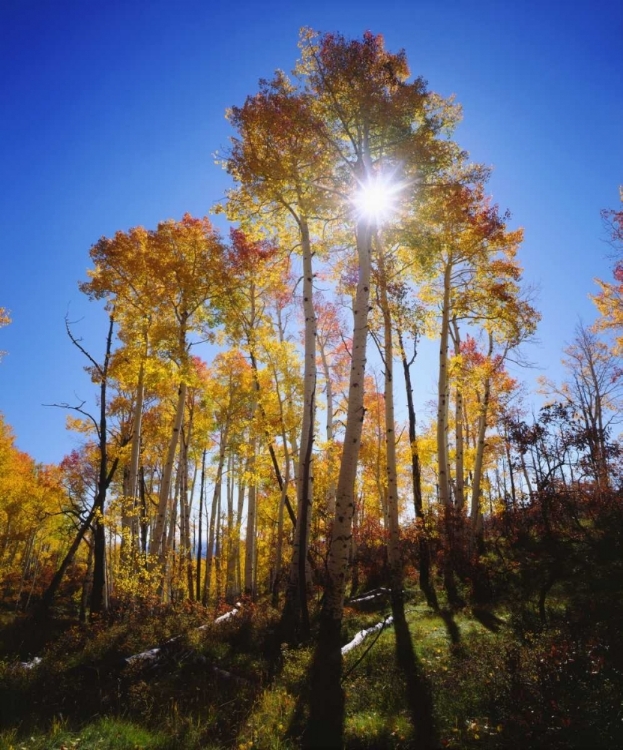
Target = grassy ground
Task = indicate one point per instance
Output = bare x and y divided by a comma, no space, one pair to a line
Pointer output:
495,684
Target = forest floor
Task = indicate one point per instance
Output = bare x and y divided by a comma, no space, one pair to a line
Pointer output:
496,681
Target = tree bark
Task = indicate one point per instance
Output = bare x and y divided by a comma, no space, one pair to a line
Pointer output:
156,545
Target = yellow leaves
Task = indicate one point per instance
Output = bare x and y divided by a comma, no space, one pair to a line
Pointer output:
79,424
30,498
609,302
162,283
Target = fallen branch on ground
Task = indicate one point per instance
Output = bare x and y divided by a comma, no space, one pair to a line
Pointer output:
363,634
154,653
368,596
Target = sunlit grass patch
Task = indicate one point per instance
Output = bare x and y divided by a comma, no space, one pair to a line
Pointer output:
103,734
267,726
374,729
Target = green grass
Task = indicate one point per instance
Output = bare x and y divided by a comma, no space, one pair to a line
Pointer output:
494,690
102,734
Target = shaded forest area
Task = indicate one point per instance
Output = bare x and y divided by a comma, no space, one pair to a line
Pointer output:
249,549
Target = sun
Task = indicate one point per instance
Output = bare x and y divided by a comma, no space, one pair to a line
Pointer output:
376,199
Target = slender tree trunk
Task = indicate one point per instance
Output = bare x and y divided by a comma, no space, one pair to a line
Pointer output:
250,546
279,545
426,585
241,494
331,489
98,595
394,557
200,524
218,549
458,427
218,483
339,550
295,611
50,592
475,512
156,545
232,530
144,519
443,472
132,487
87,585
269,442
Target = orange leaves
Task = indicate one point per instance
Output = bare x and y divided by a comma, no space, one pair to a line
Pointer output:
163,283
278,151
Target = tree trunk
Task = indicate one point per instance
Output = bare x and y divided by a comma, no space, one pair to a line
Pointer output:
394,557
458,428
98,594
475,513
426,585
218,482
200,525
156,545
250,547
339,550
331,489
443,472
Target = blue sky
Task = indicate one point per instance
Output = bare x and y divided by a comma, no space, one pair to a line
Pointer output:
112,112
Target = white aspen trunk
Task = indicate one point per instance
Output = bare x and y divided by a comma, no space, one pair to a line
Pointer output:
297,589
341,536
249,554
241,493
135,450
442,395
458,426
168,540
156,542
200,525
218,483
475,514
331,489
218,535
169,534
230,574
127,540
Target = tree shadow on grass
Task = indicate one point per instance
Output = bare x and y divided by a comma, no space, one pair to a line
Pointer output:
418,692
318,718
490,621
451,626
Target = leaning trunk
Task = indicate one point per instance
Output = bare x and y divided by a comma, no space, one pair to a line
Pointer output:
475,514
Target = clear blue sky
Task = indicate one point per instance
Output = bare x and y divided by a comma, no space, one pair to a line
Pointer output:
112,111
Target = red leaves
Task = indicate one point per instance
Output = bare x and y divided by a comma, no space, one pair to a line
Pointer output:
246,254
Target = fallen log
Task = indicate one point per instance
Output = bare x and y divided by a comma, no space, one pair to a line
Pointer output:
153,653
363,634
